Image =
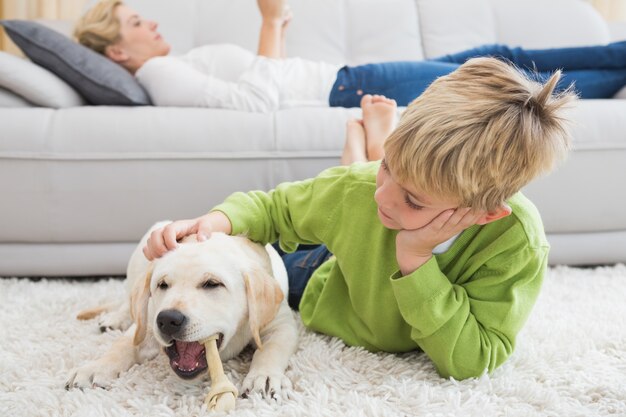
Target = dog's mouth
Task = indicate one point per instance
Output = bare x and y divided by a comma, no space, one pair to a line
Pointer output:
188,359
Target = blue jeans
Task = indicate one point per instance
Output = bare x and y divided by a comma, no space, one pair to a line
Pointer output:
300,266
595,71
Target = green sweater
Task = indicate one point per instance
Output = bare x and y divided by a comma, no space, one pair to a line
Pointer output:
463,307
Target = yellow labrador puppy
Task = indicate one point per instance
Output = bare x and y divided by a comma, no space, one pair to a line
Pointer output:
227,286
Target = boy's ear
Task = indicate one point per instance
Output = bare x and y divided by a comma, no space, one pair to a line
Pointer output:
491,216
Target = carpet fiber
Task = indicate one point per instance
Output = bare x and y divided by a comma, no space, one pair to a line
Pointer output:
570,361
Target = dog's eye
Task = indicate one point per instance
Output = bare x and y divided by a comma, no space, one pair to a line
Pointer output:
210,284
162,285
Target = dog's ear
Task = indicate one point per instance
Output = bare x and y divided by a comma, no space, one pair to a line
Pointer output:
139,297
264,298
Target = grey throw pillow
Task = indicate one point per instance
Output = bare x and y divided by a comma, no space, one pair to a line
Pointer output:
98,79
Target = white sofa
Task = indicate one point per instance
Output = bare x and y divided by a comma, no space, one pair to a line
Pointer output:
79,186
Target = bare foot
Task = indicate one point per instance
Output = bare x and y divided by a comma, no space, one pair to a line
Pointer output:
354,148
379,120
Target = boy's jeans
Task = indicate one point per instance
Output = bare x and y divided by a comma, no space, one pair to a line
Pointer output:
300,266
596,71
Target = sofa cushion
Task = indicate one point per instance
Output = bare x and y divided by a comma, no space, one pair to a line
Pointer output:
36,84
306,37
99,80
334,31
447,26
381,31
450,26
545,24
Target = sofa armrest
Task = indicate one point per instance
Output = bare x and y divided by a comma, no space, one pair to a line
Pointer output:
10,99
621,94
63,26
617,31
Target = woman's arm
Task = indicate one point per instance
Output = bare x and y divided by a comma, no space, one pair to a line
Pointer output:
271,35
283,40
174,83
270,40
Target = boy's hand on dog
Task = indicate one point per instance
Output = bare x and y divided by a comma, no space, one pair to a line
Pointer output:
414,247
166,239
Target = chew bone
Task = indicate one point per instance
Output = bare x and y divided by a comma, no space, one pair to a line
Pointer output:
222,395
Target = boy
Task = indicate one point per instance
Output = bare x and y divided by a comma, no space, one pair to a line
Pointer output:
434,247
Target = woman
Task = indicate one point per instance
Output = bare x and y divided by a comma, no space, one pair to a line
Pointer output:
268,81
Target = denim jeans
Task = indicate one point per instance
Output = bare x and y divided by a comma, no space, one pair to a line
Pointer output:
595,71
300,266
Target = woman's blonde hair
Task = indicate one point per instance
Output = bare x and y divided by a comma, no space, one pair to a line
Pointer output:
99,27
479,134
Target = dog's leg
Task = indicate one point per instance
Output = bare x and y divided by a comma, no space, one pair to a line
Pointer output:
113,316
118,319
267,370
119,358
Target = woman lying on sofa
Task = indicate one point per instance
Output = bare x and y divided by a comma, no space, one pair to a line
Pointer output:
268,81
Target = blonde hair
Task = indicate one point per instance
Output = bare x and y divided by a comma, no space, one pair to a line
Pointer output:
479,134
99,27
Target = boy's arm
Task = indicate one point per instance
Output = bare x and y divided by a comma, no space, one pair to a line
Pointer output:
296,213
166,238
471,327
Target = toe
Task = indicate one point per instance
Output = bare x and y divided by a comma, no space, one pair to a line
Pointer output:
366,100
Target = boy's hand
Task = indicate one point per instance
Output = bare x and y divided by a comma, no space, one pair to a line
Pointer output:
415,247
166,239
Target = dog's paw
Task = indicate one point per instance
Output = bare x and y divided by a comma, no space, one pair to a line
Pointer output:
115,320
91,375
270,385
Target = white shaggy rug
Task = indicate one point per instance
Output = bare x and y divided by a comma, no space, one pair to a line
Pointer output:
570,361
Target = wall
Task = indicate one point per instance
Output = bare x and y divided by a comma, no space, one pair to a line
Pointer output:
42,9
2,35
37,9
612,10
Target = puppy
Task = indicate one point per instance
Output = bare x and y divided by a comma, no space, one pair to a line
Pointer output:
226,285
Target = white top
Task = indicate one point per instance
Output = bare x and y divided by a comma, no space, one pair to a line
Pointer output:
230,77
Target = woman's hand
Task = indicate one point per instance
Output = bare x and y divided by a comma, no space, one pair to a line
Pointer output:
415,247
272,11
286,18
166,239
276,16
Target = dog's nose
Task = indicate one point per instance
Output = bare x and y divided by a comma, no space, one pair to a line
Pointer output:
170,322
